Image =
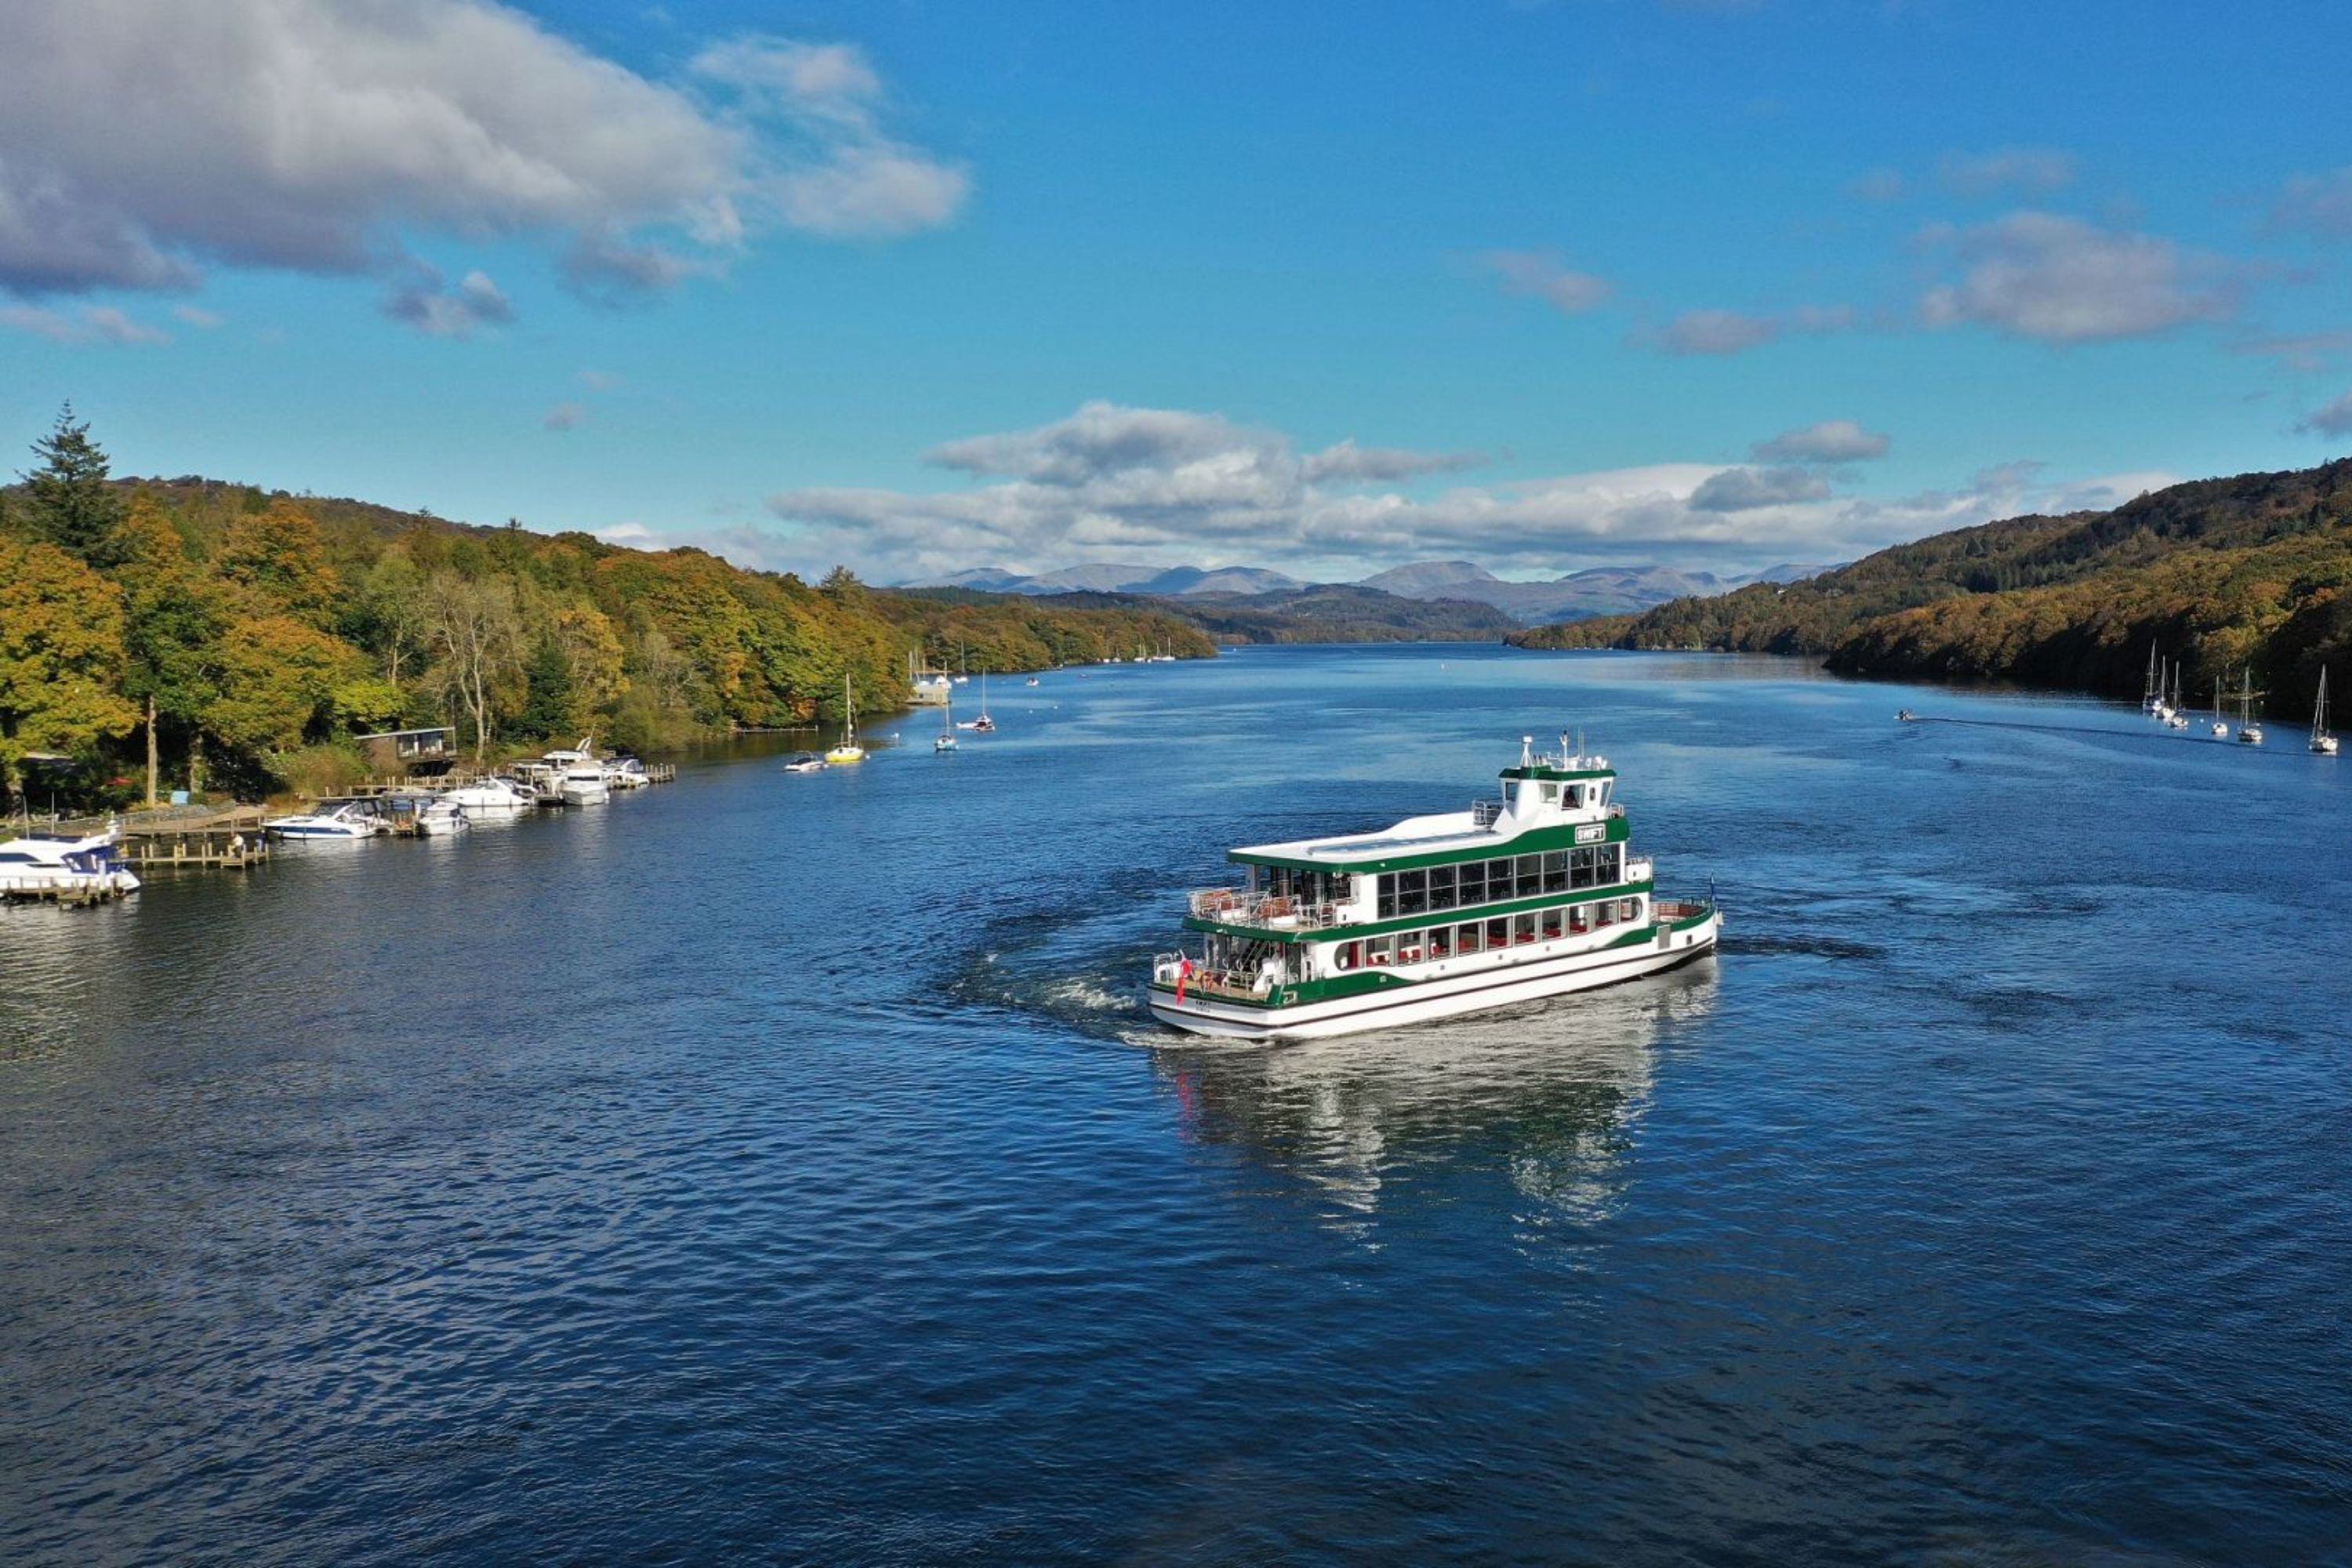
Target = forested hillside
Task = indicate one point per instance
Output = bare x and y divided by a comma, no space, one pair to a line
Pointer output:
2230,575
236,638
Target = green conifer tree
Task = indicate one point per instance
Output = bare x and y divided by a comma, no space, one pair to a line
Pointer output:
69,502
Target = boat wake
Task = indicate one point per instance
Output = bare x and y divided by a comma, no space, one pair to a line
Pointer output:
1798,946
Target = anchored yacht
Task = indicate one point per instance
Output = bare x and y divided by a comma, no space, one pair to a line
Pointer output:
330,819
42,865
1529,896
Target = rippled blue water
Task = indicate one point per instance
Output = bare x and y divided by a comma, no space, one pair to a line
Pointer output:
775,1165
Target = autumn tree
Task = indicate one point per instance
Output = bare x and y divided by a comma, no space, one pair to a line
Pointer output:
62,658
174,615
280,556
69,502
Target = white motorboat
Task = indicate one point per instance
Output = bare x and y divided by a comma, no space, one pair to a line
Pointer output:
582,784
41,865
806,763
330,819
491,797
625,773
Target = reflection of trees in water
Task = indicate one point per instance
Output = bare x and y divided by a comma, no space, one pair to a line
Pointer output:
1551,1095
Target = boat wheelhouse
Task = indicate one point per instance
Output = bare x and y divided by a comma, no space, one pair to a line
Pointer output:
1530,895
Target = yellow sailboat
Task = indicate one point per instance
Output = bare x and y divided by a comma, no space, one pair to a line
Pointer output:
848,750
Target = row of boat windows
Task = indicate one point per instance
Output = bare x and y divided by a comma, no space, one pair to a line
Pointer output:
1441,888
1484,936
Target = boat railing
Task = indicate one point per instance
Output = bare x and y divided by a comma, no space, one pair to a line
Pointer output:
1484,813
1236,905
1168,968
1680,909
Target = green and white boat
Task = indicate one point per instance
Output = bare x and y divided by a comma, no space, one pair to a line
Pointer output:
1529,896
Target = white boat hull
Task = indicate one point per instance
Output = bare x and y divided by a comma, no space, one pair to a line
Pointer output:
1503,986
586,794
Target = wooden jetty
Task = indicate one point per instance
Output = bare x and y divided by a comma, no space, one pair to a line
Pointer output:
195,838
80,896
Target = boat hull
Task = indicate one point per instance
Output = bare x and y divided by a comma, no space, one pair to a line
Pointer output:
1433,999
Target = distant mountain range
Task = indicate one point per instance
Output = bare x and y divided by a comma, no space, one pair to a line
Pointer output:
1596,591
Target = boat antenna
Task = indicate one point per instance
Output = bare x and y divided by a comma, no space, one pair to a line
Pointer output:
1527,751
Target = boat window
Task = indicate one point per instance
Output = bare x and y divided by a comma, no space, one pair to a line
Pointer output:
1380,950
1554,923
1413,892
1350,954
1530,880
1632,908
1441,942
1577,924
1575,796
1604,913
1387,901
1554,871
1470,882
1441,887
1607,867
1465,938
1523,928
1498,933
1549,794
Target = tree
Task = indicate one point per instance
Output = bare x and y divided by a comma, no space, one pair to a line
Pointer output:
61,658
478,630
280,678
399,620
70,504
279,556
548,702
174,619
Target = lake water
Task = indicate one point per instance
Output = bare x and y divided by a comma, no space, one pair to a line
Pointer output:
772,1165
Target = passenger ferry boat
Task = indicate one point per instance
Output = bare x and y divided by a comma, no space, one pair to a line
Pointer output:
1530,896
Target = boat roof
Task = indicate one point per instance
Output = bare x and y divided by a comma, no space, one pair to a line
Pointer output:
1437,838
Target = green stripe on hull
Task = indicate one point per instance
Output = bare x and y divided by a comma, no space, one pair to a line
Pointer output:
1365,982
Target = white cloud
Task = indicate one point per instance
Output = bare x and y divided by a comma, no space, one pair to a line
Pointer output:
1831,441
2316,203
91,324
599,380
565,416
2061,280
198,317
1541,275
2331,419
1172,486
1734,331
140,143
421,300
2039,170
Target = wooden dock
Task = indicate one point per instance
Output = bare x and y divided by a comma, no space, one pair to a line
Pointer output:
79,897
195,838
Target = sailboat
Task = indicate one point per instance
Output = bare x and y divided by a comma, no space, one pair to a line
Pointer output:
945,740
2249,732
2321,741
983,724
848,750
2177,716
2219,729
2151,698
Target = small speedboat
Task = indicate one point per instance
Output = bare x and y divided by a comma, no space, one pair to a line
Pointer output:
805,763
1032,680
1905,716
330,819
41,865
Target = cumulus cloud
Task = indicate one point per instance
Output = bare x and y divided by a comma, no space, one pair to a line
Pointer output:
2332,419
565,416
421,300
1112,482
1734,331
1745,489
1831,441
140,144
2039,170
1541,274
2318,205
91,324
2062,280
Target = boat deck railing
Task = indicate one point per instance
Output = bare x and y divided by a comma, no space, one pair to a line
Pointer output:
1249,987
1671,910
1235,905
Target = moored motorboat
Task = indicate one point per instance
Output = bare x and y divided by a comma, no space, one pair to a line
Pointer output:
805,763
330,819
92,863
491,797
1532,896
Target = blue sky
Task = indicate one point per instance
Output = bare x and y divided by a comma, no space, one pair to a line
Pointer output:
1320,287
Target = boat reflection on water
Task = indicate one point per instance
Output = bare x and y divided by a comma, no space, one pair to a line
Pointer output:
1552,1095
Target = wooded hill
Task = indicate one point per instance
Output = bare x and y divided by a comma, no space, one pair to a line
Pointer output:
1318,613
2228,574
239,636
